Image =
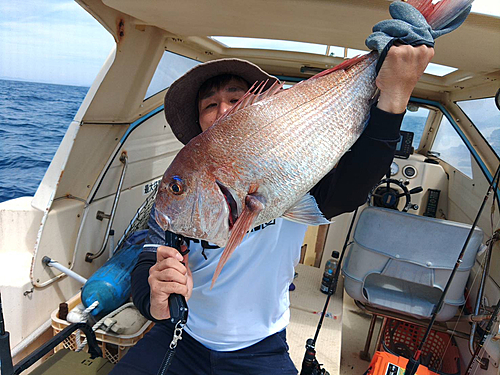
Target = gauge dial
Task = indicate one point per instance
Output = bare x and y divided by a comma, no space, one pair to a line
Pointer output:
409,171
394,168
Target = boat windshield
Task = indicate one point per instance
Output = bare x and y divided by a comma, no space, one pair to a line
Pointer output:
171,67
485,116
414,121
451,148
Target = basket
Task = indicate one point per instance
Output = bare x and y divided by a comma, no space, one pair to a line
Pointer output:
113,346
439,353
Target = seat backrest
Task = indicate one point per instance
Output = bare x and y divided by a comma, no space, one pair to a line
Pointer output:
401,262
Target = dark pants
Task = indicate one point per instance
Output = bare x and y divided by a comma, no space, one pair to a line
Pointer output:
269,356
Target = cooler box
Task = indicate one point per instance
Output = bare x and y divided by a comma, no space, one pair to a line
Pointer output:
401,262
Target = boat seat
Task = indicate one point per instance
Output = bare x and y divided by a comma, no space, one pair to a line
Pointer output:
401,262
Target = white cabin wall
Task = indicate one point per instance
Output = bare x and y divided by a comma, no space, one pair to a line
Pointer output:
120,96
19,223
150,148
25,308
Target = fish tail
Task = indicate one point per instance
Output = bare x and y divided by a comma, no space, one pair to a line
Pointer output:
441,13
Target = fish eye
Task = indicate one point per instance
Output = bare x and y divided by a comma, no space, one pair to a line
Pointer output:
176,186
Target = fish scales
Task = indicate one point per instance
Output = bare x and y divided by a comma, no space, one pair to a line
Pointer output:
311,137
282,145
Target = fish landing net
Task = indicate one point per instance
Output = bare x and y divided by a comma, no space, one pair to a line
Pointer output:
139,220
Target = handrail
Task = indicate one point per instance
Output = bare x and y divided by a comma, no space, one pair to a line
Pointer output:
94,349
89,257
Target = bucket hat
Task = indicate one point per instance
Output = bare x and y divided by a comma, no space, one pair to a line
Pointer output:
180,100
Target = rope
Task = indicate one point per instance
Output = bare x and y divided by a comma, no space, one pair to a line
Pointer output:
96,326
84,319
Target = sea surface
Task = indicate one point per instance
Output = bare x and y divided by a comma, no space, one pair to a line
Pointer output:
33,120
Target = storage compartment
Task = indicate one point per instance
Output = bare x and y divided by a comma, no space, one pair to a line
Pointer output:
114,347
401,262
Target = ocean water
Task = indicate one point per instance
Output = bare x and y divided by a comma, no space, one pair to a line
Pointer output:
33,120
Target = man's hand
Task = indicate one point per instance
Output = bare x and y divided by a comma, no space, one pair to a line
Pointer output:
168,276
399,74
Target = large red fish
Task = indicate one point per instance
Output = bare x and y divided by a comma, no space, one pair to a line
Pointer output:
260,159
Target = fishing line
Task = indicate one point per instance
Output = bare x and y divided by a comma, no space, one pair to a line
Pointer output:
482,266
461,310
414,362
487,330
481,347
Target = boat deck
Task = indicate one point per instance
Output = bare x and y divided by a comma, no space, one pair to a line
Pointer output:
343,332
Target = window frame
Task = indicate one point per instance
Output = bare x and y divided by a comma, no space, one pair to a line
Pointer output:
460,133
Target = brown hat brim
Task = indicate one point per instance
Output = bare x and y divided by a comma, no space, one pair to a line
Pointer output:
180,99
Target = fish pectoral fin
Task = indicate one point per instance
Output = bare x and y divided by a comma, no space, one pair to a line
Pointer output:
306,211
253,206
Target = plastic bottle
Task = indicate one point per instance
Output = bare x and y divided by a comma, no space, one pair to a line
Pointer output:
330,268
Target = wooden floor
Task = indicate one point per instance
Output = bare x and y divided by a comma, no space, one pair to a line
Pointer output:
343,332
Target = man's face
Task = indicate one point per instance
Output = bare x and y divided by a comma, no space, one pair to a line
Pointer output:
216,102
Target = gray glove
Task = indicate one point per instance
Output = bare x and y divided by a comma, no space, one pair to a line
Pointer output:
410,27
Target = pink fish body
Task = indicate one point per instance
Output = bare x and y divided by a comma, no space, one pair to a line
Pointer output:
258,162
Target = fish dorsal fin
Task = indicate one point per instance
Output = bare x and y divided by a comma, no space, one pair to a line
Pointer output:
253,95
345,65
306,211
253,206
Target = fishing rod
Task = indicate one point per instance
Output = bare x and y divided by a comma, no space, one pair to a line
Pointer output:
310,365
177,306
414,362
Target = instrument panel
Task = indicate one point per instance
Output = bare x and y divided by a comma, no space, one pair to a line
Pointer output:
417,170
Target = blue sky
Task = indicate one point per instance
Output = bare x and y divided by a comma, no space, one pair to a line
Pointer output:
56,41
53,41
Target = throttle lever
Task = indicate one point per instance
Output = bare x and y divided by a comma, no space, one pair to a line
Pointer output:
177,304
416,190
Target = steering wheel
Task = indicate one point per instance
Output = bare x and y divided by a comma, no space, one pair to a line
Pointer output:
386,195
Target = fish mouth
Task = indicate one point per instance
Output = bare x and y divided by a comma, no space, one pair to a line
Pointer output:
162,220
231,203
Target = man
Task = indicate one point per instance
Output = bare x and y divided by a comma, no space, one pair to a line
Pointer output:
239,326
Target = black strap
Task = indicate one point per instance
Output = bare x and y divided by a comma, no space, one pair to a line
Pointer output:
383,55
177,306
167,360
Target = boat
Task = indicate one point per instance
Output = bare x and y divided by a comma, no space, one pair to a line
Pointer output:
119,144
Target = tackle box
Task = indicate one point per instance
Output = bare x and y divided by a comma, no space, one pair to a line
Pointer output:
401,262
